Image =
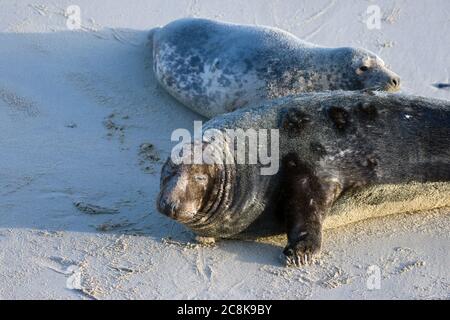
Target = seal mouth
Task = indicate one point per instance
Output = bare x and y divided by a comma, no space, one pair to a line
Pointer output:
183,217
172,211
385,88
390,88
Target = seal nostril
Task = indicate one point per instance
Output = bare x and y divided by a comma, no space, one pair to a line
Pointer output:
395,82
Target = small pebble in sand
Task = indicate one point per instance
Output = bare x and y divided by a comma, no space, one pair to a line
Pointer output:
388,44
71,125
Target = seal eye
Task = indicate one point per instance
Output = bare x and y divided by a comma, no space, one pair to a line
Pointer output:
201,178
363,68
170,167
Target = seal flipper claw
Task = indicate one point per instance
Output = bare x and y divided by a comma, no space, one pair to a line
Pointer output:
302,252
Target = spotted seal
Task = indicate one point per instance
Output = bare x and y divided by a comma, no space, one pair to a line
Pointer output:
344,156
215,67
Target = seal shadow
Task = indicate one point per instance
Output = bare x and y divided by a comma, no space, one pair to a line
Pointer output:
96,97
248,251
75,88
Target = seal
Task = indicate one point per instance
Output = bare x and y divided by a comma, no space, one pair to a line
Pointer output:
343,157
215,67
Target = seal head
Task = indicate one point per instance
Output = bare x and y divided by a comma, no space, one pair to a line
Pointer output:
186,190
371,71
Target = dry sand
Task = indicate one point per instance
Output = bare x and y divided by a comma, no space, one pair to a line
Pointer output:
85,123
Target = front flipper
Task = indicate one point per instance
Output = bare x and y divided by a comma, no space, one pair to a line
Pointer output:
306,200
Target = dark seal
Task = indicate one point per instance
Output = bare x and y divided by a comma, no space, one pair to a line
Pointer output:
377,149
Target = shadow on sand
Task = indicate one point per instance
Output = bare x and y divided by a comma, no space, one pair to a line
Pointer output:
56,92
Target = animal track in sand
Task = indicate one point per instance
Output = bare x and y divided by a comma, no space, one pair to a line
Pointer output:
149,156
18,105
114,128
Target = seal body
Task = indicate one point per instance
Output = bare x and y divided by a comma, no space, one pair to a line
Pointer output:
214,67
333,148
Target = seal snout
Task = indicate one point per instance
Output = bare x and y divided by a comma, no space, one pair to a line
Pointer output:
167,208
394,83
383,79
390,79
172,209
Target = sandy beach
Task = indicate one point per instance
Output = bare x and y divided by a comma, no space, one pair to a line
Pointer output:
86,129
